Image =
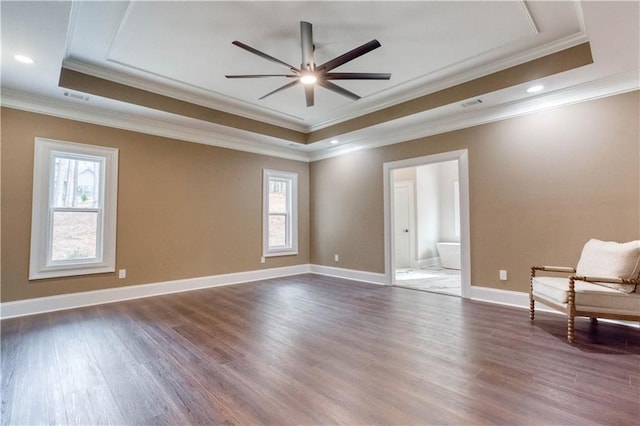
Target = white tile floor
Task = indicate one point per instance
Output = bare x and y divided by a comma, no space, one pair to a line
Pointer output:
433,278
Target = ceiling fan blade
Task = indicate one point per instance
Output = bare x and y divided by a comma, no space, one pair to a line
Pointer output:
337,89
306,42
356,76
349,56
308,94
261,75
286,86
263,55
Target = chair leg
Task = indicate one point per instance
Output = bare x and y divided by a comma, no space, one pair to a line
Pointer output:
570,320
532,307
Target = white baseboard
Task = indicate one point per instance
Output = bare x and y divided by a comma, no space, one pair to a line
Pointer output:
519,299
98,297
350,274
500,297
425,263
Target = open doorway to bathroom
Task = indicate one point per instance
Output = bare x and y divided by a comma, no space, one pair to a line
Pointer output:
428,223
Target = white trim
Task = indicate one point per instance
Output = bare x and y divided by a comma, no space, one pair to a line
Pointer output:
291,247
425,263
518,299
502,297
41,264
162,85
419,125
111,295
98,297
462,157
400,130
349,274
157,123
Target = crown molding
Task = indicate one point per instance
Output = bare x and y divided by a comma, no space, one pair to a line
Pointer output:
188,93
433,82
429,83
164,125
389,133
417,126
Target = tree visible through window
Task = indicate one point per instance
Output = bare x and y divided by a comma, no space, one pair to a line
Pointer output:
76,208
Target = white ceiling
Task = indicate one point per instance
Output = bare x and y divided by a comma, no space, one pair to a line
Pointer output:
183,50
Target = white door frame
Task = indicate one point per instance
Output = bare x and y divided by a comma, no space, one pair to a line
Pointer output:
463,178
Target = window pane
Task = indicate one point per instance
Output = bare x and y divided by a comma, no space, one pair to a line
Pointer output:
76,182
278,196
277,230
74,235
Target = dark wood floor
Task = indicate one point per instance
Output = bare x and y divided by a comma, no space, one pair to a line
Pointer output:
315,350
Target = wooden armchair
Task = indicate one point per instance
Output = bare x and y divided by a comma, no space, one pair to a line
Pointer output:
603,285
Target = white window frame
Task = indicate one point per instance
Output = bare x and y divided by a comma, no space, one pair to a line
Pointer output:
291,246
41,265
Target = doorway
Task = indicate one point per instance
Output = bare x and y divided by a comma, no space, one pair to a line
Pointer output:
435,191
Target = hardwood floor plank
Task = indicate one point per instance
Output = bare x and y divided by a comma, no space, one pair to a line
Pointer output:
31,391
311,349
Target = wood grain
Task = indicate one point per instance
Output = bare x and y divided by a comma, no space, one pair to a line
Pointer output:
315,350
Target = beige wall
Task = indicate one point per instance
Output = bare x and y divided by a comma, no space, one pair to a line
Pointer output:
541,185
184,209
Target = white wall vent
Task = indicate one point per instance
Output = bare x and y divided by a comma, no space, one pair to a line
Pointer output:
472,102
77,96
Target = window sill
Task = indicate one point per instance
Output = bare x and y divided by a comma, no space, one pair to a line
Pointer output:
284,252
68,272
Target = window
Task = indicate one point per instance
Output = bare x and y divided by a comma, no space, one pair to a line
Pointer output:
73,224
280,213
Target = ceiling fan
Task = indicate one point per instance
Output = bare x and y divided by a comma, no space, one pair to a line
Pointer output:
309,74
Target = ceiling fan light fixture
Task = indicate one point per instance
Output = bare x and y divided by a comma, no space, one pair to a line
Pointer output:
309,74
308,78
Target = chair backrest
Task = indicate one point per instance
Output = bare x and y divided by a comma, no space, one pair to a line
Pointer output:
609,259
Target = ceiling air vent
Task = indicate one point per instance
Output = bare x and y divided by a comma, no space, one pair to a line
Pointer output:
472,102
76,96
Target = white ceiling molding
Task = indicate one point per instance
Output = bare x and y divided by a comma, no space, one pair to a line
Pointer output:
445,41
426,84
421,87
191,94
415,126
389,133
210,134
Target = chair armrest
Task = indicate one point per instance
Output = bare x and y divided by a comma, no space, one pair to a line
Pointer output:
604,280
565,269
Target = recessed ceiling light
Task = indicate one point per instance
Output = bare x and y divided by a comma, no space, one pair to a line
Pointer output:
23,58
333,141
534,89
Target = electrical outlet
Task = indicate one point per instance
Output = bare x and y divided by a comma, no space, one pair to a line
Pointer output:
122,273
503,274
262,260
336,258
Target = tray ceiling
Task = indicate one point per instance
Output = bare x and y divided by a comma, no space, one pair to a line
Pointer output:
159,66
188,46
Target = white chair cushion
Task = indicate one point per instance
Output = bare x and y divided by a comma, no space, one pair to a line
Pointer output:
589,297
609,259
